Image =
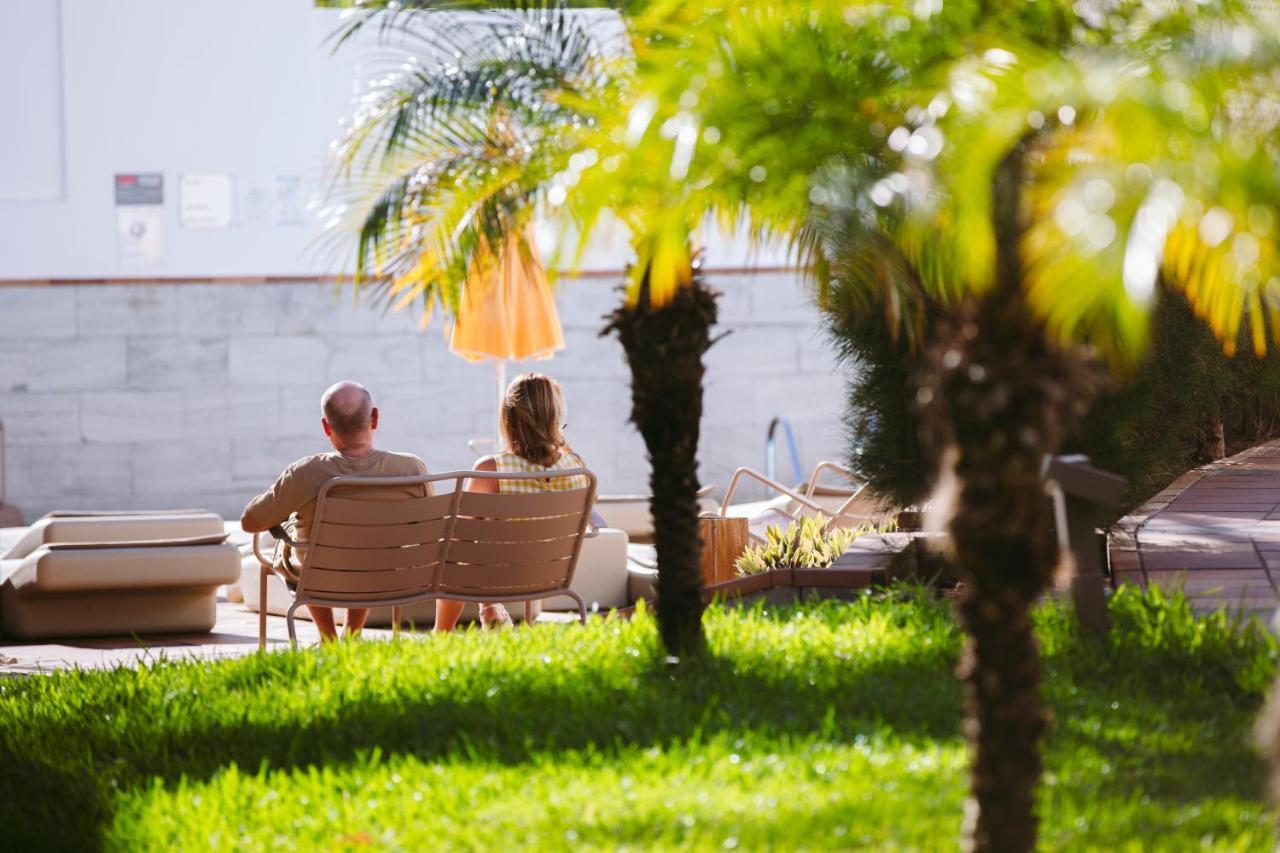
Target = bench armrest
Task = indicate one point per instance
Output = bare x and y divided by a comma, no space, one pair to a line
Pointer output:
281,536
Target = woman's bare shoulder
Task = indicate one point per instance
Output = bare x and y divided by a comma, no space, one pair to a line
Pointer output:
485,463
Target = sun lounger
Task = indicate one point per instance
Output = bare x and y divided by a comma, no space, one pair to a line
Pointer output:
850,506
79,575
467,546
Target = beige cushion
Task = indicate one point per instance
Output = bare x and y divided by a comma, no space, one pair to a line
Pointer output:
601,575
71,569
212,539
124,528
101,613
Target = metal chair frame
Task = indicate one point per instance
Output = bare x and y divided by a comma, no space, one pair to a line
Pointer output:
442,567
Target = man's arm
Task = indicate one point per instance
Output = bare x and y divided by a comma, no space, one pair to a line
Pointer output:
274,506
249,523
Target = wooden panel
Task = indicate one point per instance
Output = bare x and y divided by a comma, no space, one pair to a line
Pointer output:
480,579
523,506
327,581
353,511
379,535
531,530
368,559
509,553
723,541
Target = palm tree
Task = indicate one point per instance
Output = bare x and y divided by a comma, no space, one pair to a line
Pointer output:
1066,202
452,154
1039,193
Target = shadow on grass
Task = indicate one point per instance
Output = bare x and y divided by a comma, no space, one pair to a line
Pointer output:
60,773
916,698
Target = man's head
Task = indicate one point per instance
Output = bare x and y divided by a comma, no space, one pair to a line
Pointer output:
349,415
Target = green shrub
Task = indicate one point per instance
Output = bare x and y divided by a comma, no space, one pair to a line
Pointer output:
884,431
1148,425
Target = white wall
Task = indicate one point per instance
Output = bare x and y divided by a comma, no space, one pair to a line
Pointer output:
240,87
31,106
163,394
166,395
237,86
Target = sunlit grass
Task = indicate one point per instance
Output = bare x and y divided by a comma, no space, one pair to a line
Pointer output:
815,725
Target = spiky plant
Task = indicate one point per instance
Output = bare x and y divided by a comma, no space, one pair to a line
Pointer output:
806,544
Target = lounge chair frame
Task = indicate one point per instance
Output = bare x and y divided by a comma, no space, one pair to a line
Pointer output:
368,552
804,499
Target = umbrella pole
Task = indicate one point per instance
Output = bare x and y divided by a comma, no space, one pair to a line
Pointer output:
500,381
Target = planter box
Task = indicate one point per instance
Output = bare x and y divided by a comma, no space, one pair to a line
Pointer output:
834,577
739,586
838,577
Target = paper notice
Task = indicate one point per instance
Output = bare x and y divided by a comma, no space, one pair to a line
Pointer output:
204,201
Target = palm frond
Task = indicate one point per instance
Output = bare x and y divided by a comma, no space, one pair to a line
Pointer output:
451,151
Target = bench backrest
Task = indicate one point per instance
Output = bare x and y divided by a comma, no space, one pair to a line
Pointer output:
371,543
517,544
383,547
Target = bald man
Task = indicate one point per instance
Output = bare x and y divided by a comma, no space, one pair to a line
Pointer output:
349,419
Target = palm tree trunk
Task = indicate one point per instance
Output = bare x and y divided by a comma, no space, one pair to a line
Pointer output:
664,346
1002,396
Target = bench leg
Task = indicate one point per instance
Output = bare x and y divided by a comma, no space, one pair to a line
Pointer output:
582,605
262,608
395,621
293,633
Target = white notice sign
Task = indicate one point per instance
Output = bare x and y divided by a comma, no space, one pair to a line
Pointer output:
140,235
204,201
255,200
291,205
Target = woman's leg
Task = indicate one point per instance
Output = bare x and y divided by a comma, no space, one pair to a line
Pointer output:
323,617
447,613
355,622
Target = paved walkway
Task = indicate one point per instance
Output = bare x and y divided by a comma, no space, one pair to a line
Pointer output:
1214,531
234,635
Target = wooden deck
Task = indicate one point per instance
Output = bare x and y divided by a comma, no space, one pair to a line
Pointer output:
1214,532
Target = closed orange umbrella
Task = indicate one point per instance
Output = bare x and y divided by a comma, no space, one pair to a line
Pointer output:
507,311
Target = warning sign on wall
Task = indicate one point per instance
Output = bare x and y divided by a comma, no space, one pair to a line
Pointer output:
139,200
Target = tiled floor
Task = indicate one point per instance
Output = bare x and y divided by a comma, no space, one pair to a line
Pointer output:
1214,531
234,635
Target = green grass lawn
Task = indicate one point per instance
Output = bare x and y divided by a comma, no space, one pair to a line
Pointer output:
815,726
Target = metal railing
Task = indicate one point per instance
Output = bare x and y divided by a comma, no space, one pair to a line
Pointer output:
770,449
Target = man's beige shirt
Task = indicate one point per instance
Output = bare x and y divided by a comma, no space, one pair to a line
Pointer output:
295,491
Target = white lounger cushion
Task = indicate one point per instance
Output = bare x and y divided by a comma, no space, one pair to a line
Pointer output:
156,567
124,528
81,576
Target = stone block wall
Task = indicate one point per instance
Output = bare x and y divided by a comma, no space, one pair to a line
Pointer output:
168,395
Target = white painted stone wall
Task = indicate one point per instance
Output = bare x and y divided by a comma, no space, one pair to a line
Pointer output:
152,396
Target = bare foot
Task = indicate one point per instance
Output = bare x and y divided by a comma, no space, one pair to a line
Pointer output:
495,617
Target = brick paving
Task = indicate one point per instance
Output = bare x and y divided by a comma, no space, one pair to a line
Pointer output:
1214,532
